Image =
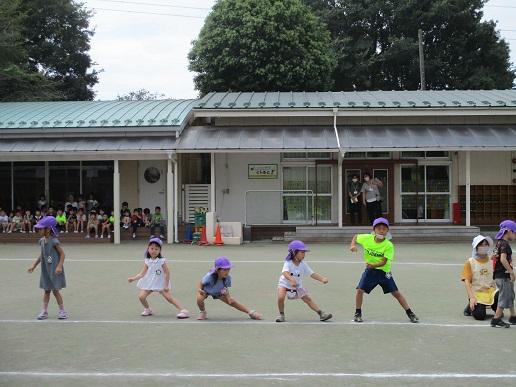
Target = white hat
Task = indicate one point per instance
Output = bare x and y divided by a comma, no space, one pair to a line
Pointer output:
477,240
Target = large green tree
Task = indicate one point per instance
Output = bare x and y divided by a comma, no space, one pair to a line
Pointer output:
262,45
376,44
44,51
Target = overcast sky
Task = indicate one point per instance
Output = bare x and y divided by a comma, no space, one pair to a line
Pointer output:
143,44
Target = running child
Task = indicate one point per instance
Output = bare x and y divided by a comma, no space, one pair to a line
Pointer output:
52,258
291,281
503,273
155,277
378,255
216,283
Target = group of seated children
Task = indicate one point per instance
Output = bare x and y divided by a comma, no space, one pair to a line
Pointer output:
142,218
19,221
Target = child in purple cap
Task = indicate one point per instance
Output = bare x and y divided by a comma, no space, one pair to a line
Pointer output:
215,284
378,255
52,257
503,273
155,277
291,281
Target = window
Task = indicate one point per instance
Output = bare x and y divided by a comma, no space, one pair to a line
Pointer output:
97,179
315,189
64,180
307,156
29,183
425,155
367,155
425,192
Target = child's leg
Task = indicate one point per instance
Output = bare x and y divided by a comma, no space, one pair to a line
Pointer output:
46,300
403,302
59,298
282,292
200,301
168,296
359,299
232,302
308,301
143,298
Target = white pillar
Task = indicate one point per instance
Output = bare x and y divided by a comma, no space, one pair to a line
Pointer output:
468,188
170,201
212,183
116,203
176,199
340,193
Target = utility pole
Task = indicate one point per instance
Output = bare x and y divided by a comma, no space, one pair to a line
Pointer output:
421,59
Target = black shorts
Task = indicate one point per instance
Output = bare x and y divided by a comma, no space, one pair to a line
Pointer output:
373,277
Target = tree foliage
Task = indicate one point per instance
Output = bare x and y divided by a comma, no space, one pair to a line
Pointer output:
44,51
376,44
262,45
140,95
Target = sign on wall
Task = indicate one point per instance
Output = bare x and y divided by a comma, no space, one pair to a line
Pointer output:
262,171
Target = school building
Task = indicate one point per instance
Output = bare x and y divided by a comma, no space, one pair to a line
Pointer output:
275,162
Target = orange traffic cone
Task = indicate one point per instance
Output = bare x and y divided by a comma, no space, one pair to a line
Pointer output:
218,237
203,241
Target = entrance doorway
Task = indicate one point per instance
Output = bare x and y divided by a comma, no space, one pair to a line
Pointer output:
380,170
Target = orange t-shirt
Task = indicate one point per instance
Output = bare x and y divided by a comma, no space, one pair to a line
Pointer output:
466,271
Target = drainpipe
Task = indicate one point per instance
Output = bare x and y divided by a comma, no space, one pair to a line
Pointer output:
172,199
339,167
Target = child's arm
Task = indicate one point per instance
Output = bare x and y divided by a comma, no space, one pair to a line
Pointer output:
141,274
200,288
35,264
167,277
507,265
471,295
289,278
353,244
59,267
378,264
320,278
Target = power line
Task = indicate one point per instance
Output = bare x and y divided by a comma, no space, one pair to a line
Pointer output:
155,4
148,13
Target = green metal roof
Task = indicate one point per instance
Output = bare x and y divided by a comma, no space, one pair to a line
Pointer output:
359,99
87,114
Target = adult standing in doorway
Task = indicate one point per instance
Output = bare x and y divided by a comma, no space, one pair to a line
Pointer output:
354,191
371,197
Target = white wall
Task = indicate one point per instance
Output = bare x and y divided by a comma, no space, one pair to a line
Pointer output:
129,182
231,173
487,168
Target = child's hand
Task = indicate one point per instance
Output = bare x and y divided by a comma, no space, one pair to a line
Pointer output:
512,277
353,248
59,270
202,292
324,280
472,303
369,266
293,283
30,269
166,290
130,279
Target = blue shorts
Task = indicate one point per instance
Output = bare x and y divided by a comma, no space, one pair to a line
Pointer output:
373,277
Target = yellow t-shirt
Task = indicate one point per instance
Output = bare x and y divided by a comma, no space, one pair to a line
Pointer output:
375,251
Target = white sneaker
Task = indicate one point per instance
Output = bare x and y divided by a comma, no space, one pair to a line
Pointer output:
109,236
162,237
75,231
102,236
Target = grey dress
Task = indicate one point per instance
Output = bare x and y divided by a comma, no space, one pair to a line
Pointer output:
49,280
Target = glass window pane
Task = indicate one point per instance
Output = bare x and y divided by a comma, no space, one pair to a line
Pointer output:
294,178
5,187
378,155
439,154
29,184
438,206
437,178
323,179
412,154
294,155
412,178
97,180
64,180
355,155
295,208
412,206
323,208
318,155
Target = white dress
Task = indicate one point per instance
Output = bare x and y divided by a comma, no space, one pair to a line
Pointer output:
154,279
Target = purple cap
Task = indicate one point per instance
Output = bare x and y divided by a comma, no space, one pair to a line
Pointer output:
295,246
378,221
506,225
222,263
156,240
48,222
